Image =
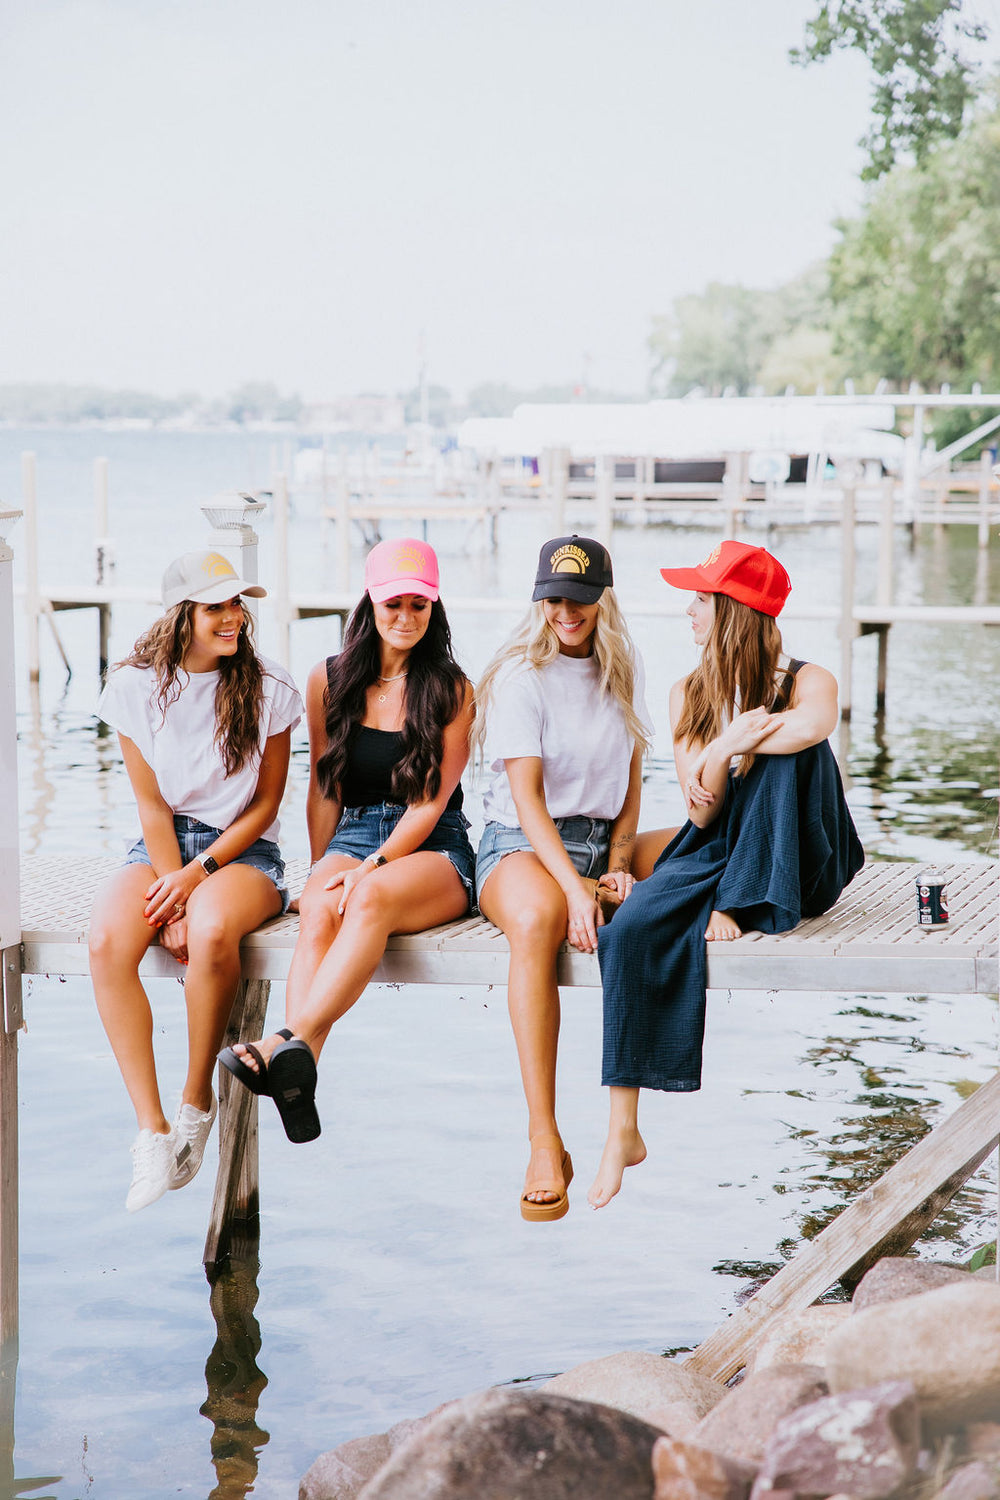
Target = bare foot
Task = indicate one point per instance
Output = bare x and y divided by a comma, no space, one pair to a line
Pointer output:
620,1151
546,1165
721,928
265,1047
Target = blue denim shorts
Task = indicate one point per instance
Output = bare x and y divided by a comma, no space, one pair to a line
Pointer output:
586,841
194,838
362,830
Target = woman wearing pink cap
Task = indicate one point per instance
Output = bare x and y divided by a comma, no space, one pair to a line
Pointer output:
389,721
769,838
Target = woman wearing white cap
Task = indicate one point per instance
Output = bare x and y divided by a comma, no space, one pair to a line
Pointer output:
389,722
561,711
205,726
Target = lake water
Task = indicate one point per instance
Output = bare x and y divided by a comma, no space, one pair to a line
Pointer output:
395,1271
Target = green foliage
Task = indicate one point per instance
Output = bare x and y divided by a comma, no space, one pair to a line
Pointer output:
744,339
915,280
986,1255
260,401
923,83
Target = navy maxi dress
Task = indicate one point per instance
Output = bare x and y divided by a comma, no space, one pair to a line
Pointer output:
783,847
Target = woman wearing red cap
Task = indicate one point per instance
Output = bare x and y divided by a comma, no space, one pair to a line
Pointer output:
561,710
769,838
389,721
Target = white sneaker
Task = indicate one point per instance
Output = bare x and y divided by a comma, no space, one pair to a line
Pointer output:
191,1129
152,1164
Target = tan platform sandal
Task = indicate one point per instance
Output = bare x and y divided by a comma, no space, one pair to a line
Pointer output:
540,1213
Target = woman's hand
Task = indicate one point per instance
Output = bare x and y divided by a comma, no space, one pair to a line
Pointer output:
748,730
174,939
619,881
345,881
167,897
584,919
696,793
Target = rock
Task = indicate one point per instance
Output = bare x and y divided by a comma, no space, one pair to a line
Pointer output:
947,1342
649,1386
799,1338
501,1444
862,1443
686,1471
340,1473
739,1426
975,1481
896,1276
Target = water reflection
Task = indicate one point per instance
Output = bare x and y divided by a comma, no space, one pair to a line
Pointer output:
235,1381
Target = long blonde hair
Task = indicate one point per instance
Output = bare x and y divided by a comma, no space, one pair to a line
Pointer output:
738,665
535,643
240,691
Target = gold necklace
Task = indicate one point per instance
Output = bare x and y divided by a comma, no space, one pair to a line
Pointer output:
398,678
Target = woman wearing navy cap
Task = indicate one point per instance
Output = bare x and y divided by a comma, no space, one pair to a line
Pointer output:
769,838
561,711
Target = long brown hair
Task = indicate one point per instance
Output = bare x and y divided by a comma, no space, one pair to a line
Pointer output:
738,665
433,694
238,697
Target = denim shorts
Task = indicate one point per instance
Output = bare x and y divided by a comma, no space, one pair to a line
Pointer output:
363,830
194,838
586,841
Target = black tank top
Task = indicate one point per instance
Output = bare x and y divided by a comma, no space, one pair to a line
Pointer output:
371,756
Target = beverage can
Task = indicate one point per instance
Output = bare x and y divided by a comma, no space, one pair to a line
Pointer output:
932,900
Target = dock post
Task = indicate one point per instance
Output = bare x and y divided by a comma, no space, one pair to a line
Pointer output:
883,585
848,630
29,491
234,1225
558,481
10,979
604,495
282,614
985,479
343,525
103,560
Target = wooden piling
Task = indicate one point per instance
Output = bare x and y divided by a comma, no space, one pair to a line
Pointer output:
848,630
234,1222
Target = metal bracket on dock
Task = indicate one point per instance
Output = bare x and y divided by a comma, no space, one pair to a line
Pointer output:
13,1009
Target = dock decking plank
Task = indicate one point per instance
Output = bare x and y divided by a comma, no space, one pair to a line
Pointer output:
867,942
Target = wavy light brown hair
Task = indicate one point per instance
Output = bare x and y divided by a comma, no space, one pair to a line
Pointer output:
739,664
535,642
240,691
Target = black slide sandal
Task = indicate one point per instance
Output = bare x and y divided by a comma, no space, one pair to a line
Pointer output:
257,1083
292,1078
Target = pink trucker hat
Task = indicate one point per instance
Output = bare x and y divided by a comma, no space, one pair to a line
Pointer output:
401,565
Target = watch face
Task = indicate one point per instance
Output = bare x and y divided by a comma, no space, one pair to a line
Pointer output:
209,865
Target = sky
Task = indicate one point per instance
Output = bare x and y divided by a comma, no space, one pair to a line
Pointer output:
319,193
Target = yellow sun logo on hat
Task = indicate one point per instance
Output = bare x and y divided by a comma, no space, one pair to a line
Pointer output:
407,562
569,559
217,566
712,557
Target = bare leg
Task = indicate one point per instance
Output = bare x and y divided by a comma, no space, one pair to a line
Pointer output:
623,1148
721,928
407,895
648,848
521,897
221,911
119,936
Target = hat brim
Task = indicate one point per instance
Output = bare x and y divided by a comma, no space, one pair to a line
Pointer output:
687,578
567,587
380,592
218,592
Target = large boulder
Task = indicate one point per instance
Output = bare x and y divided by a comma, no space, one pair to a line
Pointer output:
863,1443
897,1276
947,1342
649,1386
740,1424
340,1473
685,1471
501,1444
975,1481
798,1338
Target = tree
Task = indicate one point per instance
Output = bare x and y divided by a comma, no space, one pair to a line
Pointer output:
916,279
924,83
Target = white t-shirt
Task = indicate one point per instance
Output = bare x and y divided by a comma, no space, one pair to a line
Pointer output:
558,712
179,746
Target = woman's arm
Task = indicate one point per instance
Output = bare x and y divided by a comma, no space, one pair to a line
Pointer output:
527,787
703,770
173,887
618,875
420,818
156,818
322,812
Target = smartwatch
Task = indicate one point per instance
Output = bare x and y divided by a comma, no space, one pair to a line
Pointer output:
208,864
377,859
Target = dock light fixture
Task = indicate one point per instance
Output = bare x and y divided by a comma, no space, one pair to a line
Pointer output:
7,519
232,509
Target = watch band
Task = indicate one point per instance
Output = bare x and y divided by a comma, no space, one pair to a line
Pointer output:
375,860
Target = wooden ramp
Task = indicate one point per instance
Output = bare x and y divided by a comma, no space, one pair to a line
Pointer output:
867,943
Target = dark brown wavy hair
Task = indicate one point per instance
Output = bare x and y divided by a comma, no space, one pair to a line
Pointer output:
240,691
739,664
433,694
